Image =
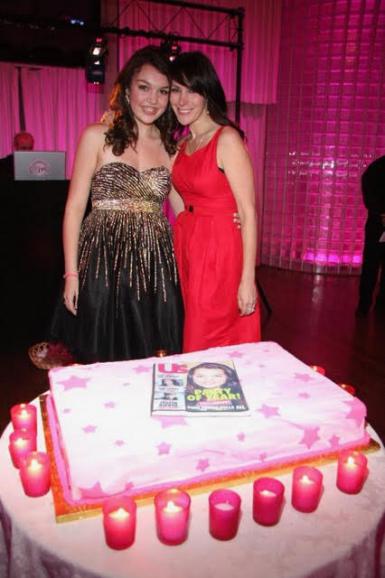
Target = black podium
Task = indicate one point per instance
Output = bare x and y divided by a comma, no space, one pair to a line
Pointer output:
31,258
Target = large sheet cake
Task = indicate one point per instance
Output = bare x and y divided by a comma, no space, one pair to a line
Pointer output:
107,441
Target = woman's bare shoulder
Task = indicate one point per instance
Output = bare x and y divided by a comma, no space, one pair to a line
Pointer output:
95,130
229,135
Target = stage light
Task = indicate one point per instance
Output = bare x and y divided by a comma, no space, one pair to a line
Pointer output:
171,48
95,68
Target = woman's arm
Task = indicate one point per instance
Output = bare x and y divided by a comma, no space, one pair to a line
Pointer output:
234,159
176,202
84,167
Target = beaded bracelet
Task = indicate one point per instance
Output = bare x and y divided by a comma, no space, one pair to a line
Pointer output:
71,274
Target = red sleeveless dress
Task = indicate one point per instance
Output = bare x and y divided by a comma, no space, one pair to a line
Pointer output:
208,248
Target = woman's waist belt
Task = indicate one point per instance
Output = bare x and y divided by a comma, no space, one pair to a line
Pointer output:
129,205
210,211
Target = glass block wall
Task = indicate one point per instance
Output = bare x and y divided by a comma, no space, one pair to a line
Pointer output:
327,125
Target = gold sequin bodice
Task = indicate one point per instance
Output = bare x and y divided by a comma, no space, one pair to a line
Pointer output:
126,233
120,181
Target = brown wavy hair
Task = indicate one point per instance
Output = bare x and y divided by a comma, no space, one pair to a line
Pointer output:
124,130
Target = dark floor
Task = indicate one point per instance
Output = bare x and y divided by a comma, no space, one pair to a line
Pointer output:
313,318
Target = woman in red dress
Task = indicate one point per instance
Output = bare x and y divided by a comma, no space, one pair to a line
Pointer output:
213,178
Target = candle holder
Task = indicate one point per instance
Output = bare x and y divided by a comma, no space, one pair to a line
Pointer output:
347,387
267,501
21,443
306,489
119,522
352,471
224,514
318,369
35,474
23,416
172,509
161,353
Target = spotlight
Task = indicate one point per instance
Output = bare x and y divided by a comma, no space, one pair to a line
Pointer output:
95,68
171,48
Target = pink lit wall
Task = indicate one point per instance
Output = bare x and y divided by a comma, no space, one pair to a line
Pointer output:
327,125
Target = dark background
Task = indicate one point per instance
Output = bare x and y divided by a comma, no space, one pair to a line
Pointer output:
40,31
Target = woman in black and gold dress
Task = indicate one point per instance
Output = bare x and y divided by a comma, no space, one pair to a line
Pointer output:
121,292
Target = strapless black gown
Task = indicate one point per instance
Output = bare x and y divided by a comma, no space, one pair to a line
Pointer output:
129,303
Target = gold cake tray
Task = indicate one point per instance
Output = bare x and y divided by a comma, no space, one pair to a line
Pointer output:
66,511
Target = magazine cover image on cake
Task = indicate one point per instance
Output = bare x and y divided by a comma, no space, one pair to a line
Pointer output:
201,388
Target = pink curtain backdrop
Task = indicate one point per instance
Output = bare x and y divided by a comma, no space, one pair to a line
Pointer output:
58,104
9,107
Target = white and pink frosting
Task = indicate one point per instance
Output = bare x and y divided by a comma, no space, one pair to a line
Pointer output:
105,436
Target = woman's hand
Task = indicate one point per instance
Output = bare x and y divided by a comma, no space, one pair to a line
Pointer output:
71,293
247,297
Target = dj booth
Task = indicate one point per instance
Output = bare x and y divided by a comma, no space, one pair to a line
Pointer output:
31,257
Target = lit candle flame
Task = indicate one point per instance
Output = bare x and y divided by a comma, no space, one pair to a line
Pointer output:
119,514
23,414
34,465
20,442
350,462
225,506
172,508
268,493
306,480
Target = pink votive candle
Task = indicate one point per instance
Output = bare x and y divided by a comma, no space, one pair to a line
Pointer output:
172,509
21,443
267,501
119,522
306,489
352,470
23,416
224,513
35,474
347,387
319,369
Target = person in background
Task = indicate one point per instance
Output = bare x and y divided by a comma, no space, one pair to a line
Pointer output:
213,179
121,291
373,260
23,141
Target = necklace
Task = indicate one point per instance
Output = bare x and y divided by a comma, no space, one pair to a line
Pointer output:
197,141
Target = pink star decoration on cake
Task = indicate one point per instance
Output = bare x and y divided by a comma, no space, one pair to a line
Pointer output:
94,491
303,377
355,412
334,441
120,443
74,382
235,354
202,465
268,410
310,436
67,410
304,395
90,429
241,436
169,421
163,448
142,369
109,404
262,456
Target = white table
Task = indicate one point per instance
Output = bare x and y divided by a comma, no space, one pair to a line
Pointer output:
344,538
